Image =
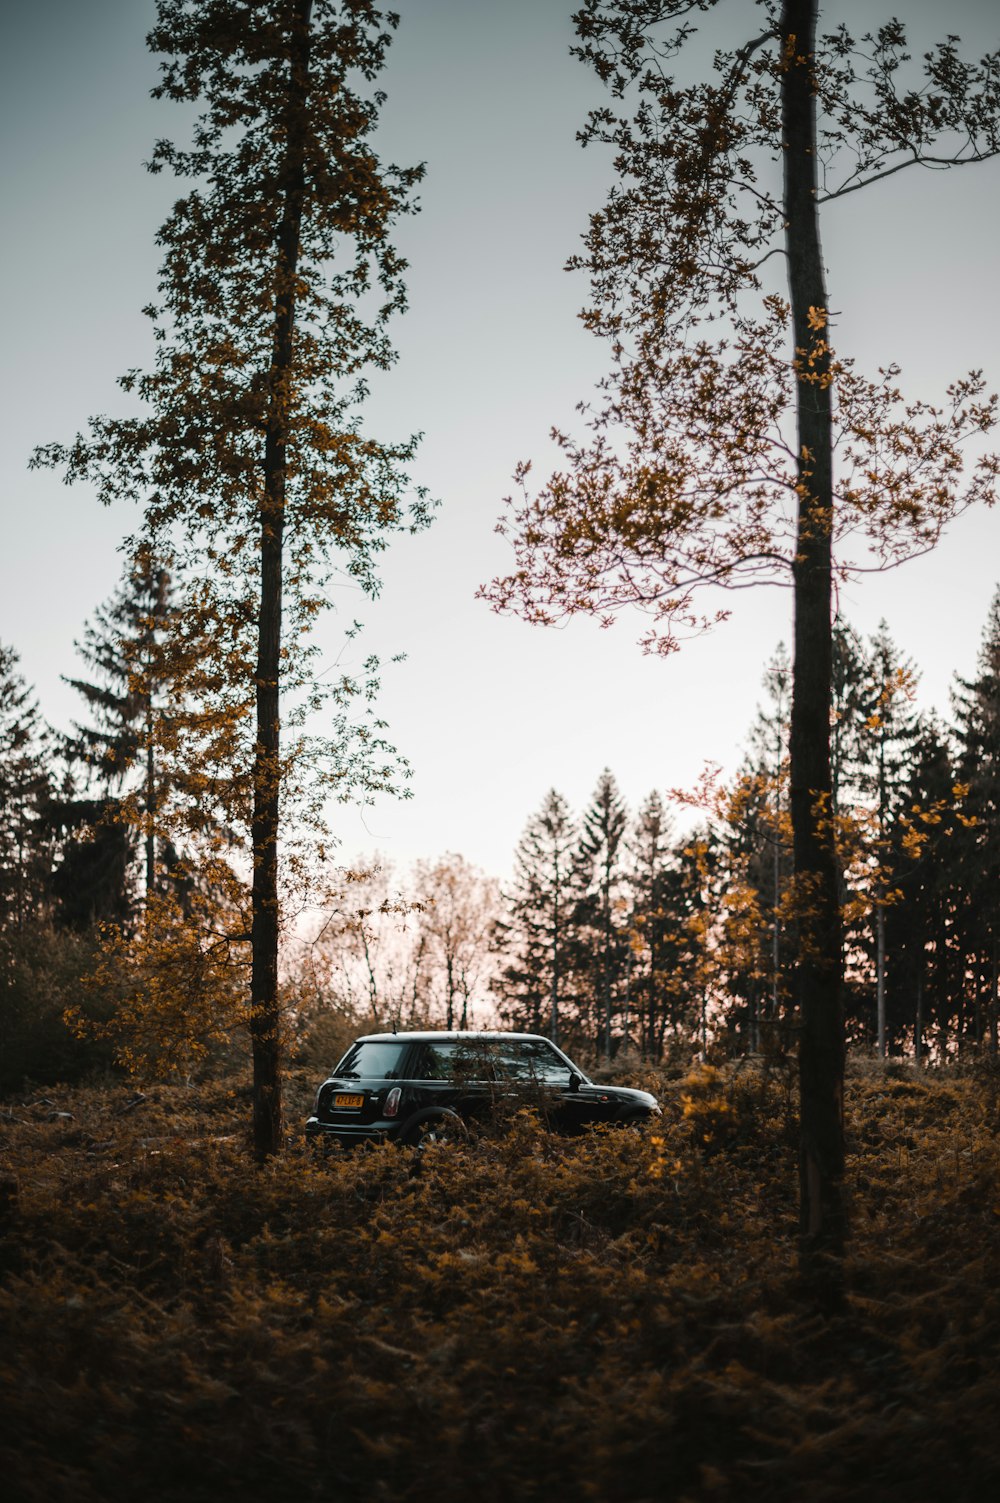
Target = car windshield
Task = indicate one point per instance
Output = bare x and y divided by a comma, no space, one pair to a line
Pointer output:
374,1059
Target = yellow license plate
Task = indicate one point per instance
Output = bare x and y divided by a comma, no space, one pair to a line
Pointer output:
348,1100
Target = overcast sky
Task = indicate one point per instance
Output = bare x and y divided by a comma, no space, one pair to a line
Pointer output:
490,713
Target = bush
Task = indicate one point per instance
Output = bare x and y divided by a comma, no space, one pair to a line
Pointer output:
40,977
614,1317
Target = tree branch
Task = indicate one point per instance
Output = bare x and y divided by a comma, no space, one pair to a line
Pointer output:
915,161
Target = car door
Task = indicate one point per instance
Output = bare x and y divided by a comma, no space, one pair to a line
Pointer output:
454,1073
547,1079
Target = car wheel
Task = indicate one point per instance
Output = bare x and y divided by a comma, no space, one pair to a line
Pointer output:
434,1126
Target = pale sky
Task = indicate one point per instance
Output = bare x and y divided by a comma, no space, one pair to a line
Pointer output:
491,713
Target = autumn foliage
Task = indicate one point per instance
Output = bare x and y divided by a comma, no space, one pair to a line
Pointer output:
615,1317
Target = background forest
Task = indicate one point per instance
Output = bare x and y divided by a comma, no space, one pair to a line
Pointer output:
656,934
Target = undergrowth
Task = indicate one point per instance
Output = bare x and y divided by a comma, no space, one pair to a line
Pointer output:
613,1317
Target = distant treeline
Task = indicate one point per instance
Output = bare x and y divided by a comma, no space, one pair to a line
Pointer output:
615,931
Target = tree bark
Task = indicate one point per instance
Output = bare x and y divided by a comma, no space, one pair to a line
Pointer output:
880,1020
265,1014
819,966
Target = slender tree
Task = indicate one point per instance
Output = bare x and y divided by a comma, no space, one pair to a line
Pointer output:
849,710
926,841
710,459
124,650
977,712
277,283
891,730
769,738
536,941
650,919
25,790
601,911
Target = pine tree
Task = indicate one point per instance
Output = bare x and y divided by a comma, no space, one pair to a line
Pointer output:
923,973
759,841
850,708
123,647
650,920
25,788
602,908
977,714
536,940
887,740
690,960
127,649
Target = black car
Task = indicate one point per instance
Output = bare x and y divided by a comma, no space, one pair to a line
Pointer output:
415,1087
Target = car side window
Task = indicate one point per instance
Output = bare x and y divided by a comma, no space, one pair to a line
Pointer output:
455,1060
532,1060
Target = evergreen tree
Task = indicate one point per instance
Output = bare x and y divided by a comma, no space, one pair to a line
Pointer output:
690,962
601,912
850,708
650,921
104,823
536,940
888,736
25,789
923,972
977,713
758,846
124,648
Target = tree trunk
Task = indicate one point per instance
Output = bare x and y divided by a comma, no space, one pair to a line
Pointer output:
819,966
554,998
150,802
450,982
265,1016
606,960
880,974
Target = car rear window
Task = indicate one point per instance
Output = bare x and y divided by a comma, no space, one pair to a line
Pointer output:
374,1059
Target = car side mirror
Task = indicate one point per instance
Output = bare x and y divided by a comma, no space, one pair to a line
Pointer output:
575,1081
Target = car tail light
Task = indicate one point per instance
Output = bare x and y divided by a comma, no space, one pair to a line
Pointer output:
392,1101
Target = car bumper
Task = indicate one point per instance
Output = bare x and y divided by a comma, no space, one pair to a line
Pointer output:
349,1134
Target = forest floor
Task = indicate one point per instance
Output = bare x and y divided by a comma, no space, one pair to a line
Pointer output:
616,1317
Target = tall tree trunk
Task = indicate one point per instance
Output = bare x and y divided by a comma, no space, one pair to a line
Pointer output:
819,967
880,973
450,982
606,960
150,801
554,998
265,1017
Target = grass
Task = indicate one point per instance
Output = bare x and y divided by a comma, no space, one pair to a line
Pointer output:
614,1317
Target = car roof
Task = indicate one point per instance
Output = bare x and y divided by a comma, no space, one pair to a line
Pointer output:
437,1035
